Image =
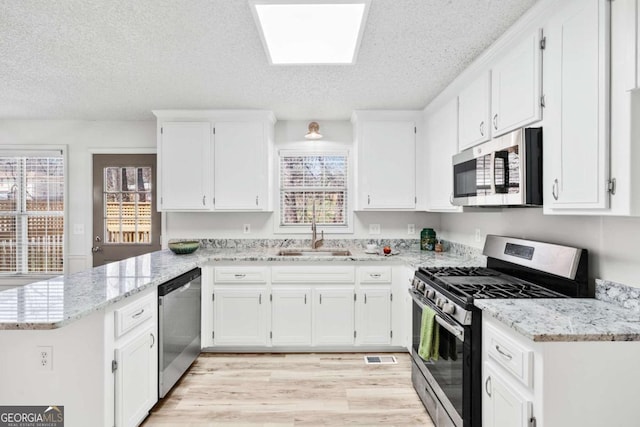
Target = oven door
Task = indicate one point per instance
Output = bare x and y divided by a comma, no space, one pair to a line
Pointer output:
450,375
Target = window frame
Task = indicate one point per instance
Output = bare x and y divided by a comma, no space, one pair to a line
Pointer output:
43,151
306,228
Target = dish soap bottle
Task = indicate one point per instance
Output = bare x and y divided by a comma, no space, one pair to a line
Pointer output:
427,239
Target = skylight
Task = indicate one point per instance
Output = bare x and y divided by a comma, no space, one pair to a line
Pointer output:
310,32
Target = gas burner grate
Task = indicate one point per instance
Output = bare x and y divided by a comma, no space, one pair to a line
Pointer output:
506,290
458,271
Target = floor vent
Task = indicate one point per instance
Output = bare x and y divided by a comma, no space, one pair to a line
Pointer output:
380,360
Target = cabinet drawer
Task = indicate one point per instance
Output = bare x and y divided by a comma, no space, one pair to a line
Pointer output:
508,353
134,314
240,274
313,274
374,274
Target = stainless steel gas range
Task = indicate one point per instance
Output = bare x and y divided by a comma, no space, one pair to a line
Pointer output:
449,384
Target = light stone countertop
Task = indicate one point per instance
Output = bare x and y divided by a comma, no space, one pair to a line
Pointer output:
53,303
570,319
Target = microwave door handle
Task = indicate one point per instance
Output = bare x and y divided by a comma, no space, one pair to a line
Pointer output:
492,172
504,156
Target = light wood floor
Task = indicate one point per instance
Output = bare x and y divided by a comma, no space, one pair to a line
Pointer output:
291,389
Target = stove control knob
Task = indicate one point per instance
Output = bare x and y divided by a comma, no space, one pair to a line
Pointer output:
430,293
440,302
448,308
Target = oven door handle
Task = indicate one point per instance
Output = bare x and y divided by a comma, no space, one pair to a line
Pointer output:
457,331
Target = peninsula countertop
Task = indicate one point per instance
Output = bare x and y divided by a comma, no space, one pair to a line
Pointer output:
570,319
53,303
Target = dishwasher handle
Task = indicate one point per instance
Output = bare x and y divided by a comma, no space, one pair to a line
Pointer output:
179,281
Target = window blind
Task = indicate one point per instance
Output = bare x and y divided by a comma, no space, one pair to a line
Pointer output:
320,178
31,213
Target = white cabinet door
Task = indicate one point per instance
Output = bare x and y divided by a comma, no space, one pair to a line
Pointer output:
576,131
240,170
291,317
386,156
184,164
474,107
502,404
516,87
442,144
239,316
136,385
333,316
374,316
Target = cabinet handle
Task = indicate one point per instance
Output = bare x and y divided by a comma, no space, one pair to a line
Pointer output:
375,275
257,198
320,298
153,340
365,298
554,189
305,298
138,314
260,299
482,128
239,275
368,199
487,384
204,200
503,353
495,121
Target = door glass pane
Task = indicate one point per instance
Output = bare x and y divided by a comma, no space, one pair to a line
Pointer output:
112,179
127,205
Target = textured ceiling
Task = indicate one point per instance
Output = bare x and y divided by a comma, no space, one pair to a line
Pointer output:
120,59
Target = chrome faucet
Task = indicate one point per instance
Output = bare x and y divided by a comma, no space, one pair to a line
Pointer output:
315,243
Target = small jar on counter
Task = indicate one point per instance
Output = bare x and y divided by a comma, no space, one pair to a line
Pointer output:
438,247
427,239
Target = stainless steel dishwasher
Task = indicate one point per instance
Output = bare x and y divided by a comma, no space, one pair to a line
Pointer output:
178,328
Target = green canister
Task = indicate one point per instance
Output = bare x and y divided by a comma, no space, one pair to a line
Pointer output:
427,239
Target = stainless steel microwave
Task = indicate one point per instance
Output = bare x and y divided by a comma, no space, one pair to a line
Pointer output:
506,171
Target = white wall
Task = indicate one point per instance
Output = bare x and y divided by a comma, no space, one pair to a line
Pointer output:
290,135
614,248
81,138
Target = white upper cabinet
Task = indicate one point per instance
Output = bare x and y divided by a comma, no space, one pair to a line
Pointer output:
625,107
215,160
385,159
441,140
240,166
474,112
184,159
576,128
516,86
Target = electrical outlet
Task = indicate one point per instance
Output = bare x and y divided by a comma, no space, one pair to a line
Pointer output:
44,358
411,228
374,228
478,235
246,228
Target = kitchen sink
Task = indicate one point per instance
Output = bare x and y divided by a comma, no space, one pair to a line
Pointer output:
313,252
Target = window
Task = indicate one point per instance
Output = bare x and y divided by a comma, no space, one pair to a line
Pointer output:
308,178
31,213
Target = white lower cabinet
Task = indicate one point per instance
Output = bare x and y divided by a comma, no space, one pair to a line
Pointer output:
136,386
239,316
308,306
373,316
291,316
502,404
333,316
557,383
